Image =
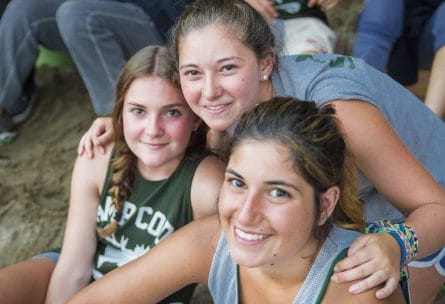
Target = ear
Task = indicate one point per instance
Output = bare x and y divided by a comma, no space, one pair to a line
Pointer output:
267,63
328,201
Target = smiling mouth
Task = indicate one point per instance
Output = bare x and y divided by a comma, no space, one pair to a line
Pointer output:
217,109
249,237
154,146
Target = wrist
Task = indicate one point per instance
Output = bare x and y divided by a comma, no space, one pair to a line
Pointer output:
404,234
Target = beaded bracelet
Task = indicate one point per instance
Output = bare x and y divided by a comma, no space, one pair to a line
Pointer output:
405,236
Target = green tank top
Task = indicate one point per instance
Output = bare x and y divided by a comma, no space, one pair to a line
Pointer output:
154,210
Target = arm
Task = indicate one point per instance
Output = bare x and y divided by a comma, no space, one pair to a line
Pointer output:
181,259
73,269
435,96
206,185
97,136
401,179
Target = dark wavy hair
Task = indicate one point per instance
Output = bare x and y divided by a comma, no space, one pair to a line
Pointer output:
319,151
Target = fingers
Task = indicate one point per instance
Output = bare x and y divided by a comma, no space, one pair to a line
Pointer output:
357,255
358,244
80,147
372,259
98,135
369,279
356,268
88,145
390,286
85,146
375,279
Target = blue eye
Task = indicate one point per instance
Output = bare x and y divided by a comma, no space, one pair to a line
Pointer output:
138,111
236,183
172,113
279,193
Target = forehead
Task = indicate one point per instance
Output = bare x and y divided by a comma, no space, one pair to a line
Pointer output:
154,90
257,154
213,39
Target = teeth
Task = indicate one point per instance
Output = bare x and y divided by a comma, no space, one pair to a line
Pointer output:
249,236
215,108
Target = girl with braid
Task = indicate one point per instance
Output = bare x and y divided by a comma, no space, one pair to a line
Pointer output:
228,63
287,211
154,179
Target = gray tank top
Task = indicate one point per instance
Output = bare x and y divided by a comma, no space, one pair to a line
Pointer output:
223,277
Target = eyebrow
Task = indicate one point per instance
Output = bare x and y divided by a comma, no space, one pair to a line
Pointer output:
173,105
271,182
191,65
282,183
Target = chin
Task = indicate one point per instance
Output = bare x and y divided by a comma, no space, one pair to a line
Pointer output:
219,125
246,259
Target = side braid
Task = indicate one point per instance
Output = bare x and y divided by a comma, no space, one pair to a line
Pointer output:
123,173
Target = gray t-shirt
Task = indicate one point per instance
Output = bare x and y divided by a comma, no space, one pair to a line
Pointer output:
324,78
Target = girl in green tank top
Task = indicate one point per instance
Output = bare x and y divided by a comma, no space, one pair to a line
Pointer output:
154,178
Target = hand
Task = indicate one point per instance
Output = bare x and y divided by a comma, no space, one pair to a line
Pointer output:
324,4
373,259
265,8
98,135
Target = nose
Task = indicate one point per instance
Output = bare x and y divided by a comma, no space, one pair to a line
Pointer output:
250,211
154,126
211,88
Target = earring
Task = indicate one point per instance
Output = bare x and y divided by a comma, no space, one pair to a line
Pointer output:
265,77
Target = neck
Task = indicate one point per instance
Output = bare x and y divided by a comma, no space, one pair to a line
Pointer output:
266,91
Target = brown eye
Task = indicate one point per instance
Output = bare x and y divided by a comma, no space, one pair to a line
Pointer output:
236,183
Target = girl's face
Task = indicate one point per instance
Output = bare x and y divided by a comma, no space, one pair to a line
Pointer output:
266,208
157,125
220,77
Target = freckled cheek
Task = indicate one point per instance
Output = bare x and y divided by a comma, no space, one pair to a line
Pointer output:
242,91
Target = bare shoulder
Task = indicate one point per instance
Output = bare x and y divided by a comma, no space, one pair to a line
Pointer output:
206,185
338,293
93,170
209,166
99,159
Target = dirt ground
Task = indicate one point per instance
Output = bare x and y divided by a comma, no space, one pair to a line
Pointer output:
35,170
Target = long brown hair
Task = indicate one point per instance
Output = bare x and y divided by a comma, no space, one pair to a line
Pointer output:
149,61
314,140
245,23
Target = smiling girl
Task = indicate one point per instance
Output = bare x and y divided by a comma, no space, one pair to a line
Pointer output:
288,190
155,178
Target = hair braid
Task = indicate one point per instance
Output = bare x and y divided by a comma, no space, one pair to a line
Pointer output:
123,168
